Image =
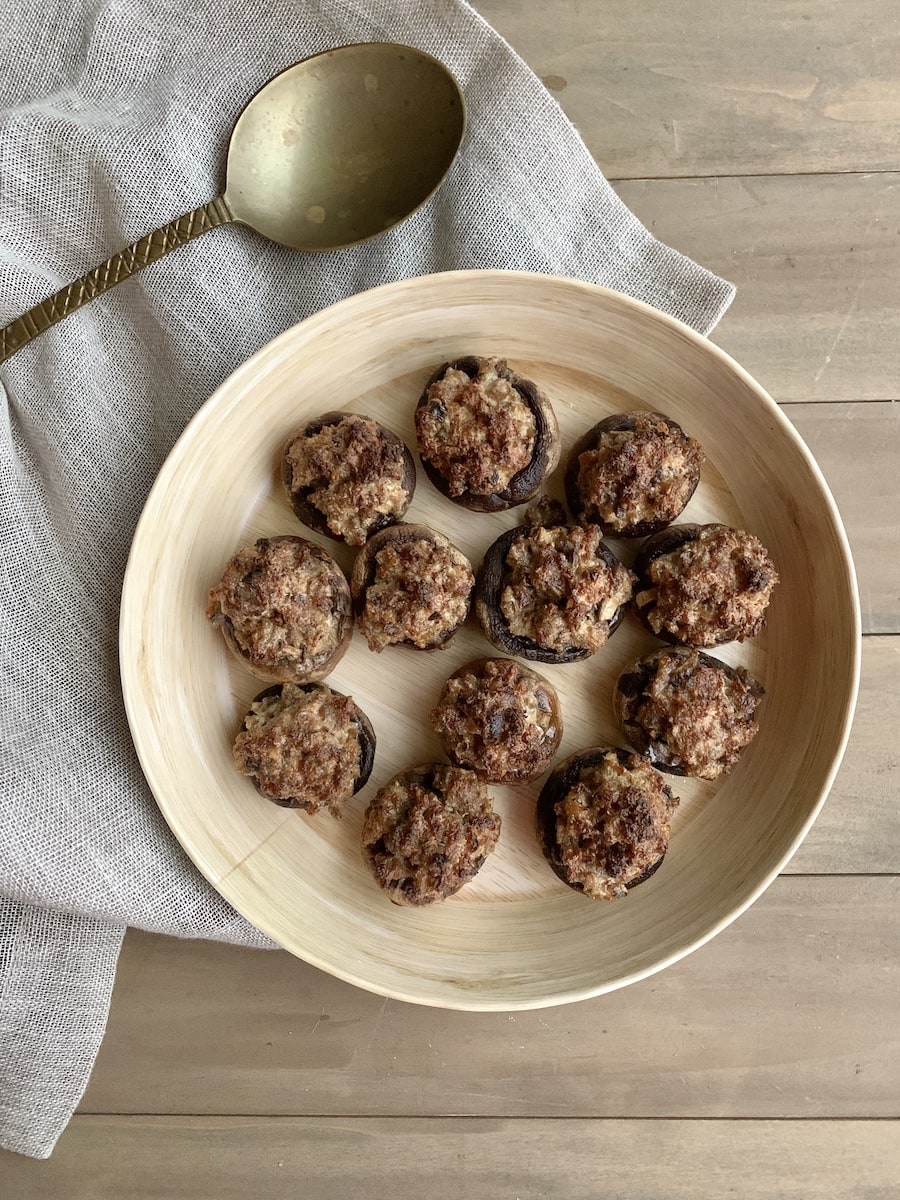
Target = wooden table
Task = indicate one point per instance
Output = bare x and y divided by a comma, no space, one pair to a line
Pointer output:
761,139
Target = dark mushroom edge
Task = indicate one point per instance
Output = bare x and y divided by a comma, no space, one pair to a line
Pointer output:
299,498
545,455
631,687
500,746
669,541
366,735
489,584
560,783
364,573
618,423
342,614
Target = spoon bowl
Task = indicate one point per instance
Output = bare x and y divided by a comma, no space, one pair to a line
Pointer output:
337,149
343,146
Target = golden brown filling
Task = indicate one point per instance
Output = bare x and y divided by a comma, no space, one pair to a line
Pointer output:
558,590
545,510
639,475
420,592
426,835
284,599
613,825
714,588
353,475
302,745
498,720
702,714
476,433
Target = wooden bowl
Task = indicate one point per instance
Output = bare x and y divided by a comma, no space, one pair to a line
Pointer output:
516,937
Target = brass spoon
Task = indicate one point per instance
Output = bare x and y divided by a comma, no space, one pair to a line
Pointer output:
333,151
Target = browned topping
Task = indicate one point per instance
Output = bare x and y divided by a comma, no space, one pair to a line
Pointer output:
286,603
559,589
613,825
715,588
428,832
302,745
421,591
635,476
499,718
696,713
477,433
352,473
545,511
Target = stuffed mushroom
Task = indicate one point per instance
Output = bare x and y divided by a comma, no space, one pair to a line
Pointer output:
551,594
499,718
347,476
487,437
411,587
428,832
603,820
703,585
688,712
632,474
306,746
284,609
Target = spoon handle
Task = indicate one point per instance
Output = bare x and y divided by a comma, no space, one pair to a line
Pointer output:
127,262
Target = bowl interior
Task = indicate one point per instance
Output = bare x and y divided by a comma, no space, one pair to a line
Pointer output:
516,937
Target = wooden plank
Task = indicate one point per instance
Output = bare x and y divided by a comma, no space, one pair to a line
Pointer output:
816,263
859,827
710,89
858,448
790,1012
143,1158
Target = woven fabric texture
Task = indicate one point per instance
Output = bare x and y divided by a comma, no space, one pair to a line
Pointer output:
114,119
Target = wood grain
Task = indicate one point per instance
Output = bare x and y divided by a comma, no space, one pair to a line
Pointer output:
858,448
709,89
758,1023
858,830
816,262
147,1158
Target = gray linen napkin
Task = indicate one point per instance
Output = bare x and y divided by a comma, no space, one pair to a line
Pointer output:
114,118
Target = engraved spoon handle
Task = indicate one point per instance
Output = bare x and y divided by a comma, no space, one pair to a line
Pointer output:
127,262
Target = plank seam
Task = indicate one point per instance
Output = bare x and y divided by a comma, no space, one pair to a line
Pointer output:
860,173
159,1116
